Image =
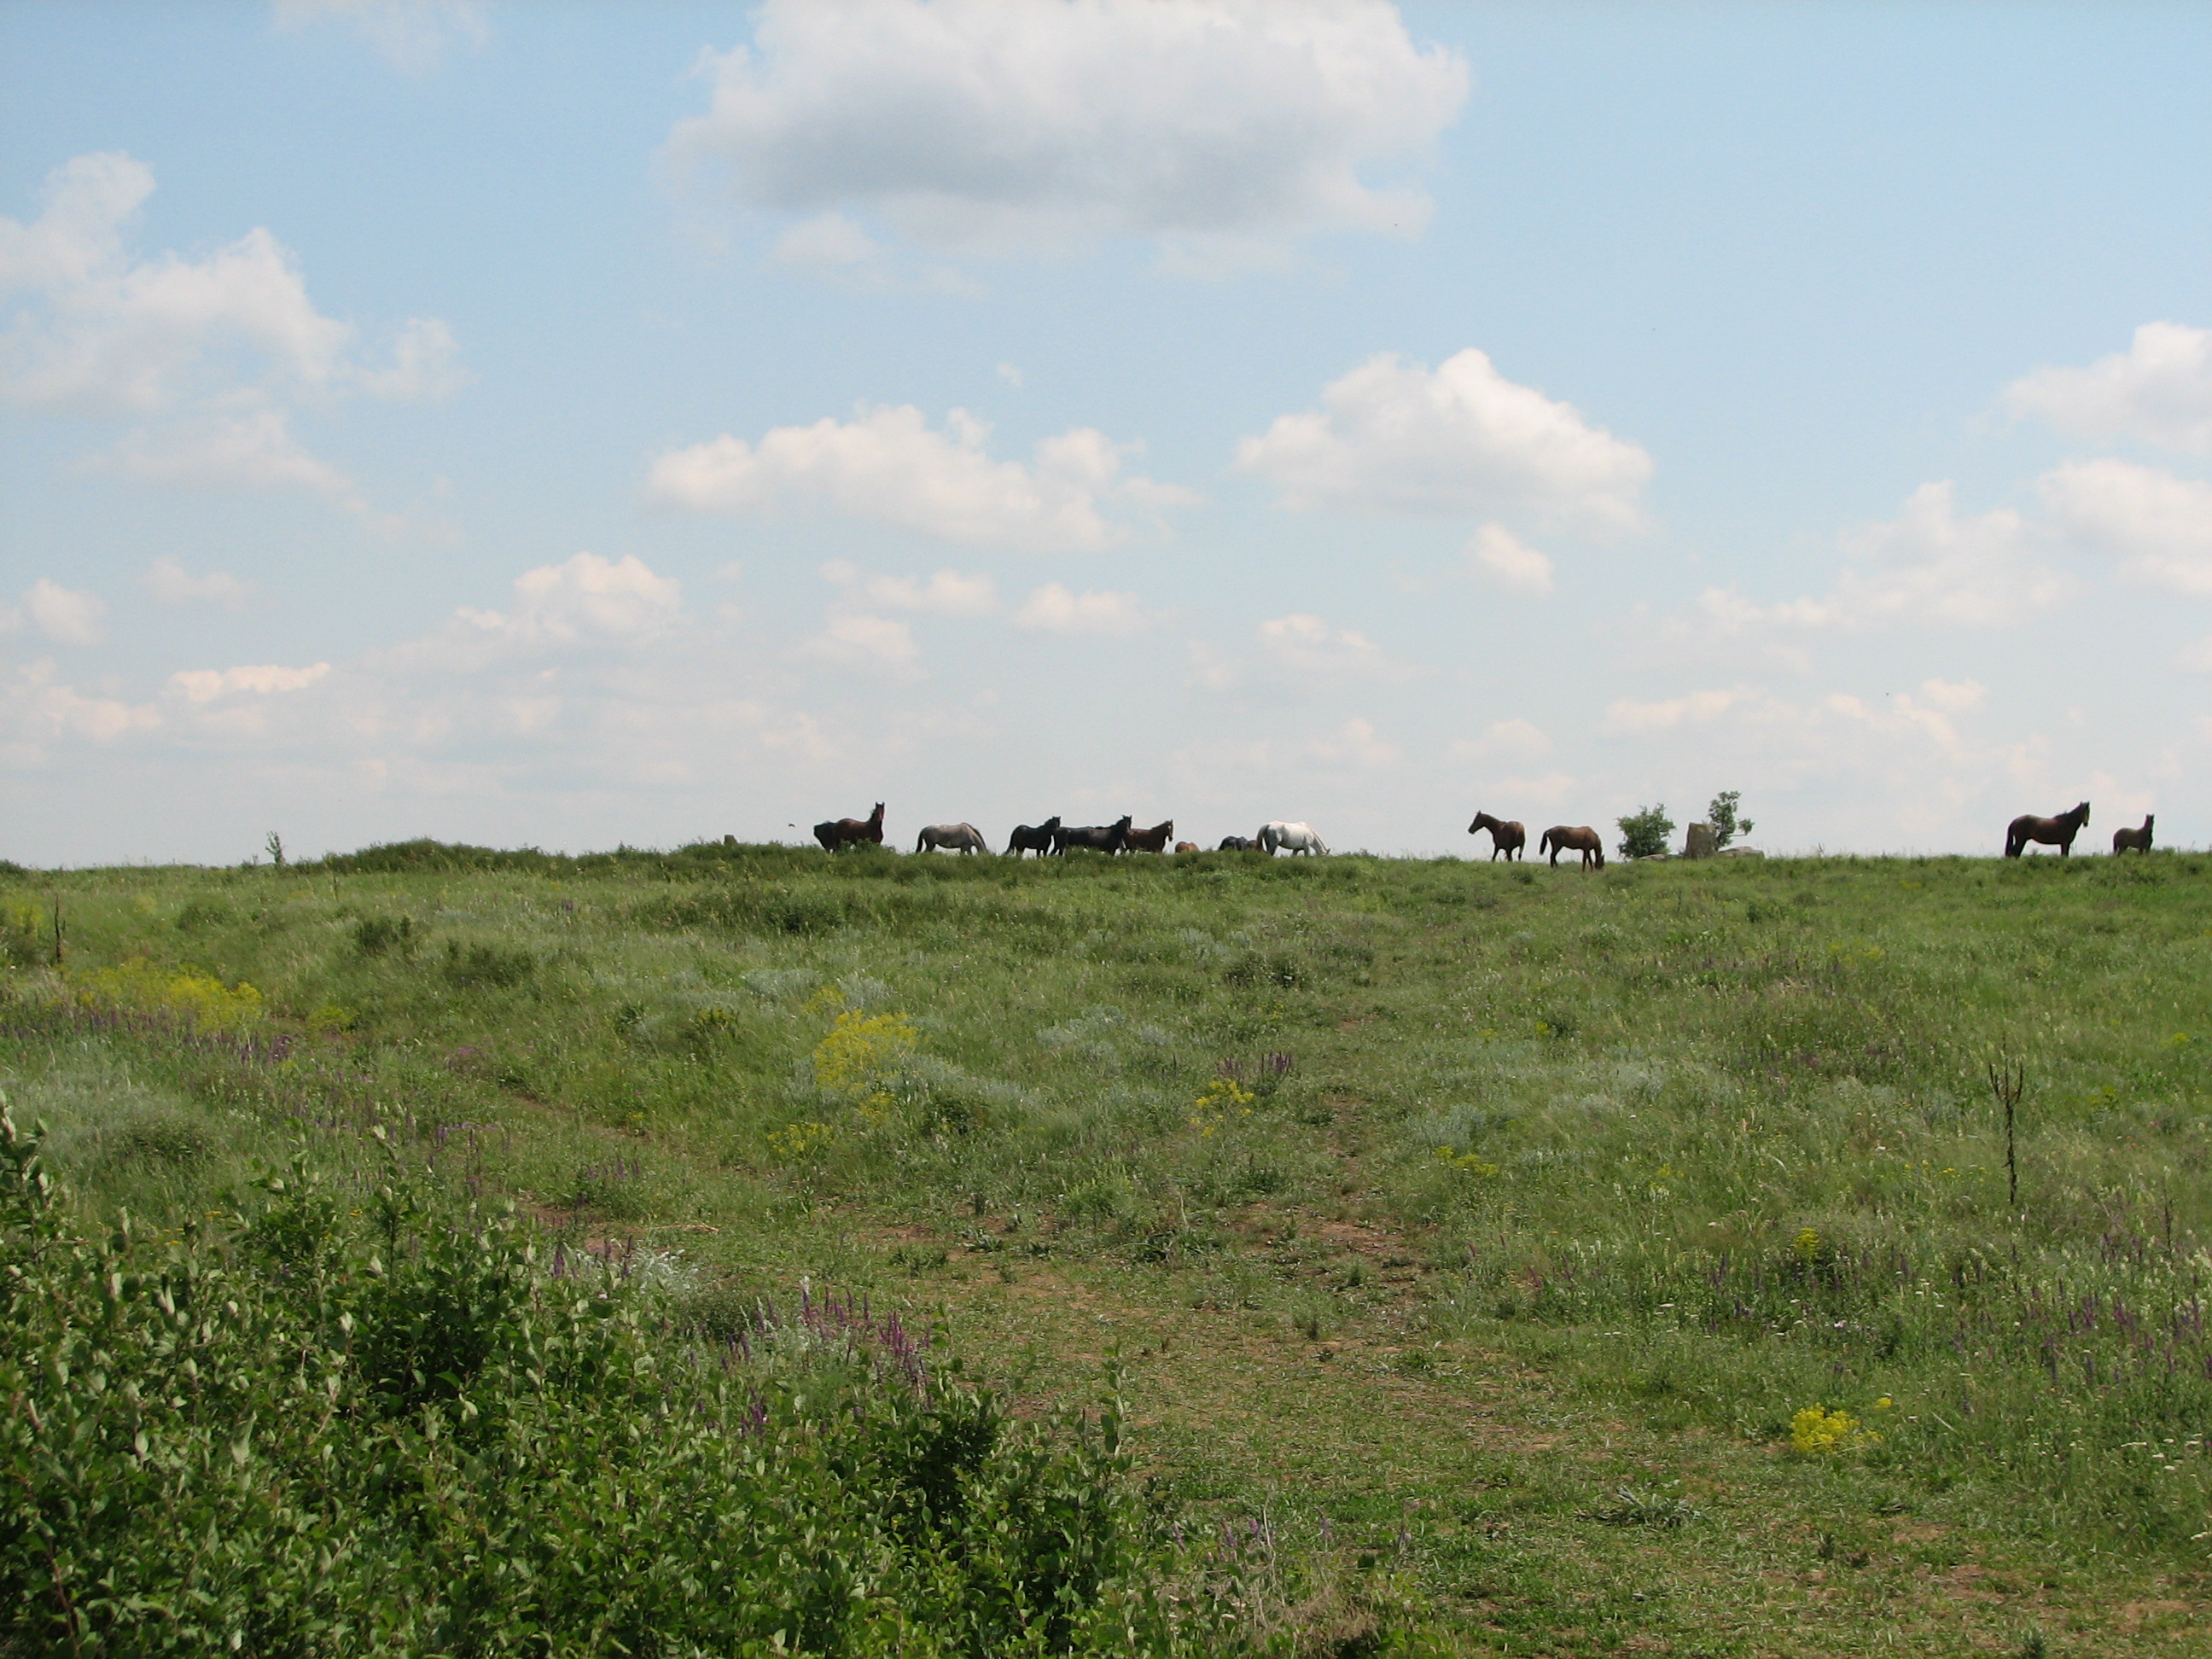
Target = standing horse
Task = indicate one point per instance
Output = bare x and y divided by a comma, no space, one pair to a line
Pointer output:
2124,838
962,838
1291,837
1504,837
834,833
1033,838
1236,844
1573,838
1108,838
1154,840
2057,832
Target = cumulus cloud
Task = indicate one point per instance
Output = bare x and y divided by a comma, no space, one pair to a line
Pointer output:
200,685
212,350
64,614
1502,561
587,598
945,593
890,465
1462,441
882,643
170,583
1927,568
1927,717
414,36
983,126
1054,608
2157,525
2160,391
1513,737
1357,744
1303,644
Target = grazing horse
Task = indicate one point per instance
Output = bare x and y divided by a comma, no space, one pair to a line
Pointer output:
2124,839
1573,838
834,833
1098,837
1186,847
962,838
1154,840
1291,837
1033,838
2057,832
1236,844
1504,837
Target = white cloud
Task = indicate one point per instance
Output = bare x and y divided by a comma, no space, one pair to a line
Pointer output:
64,614
2160,390
1302,644
1355,743
1550,790
1927,568
1461,441
1954,697
1012,374
1507,564
878,642
254,452
2197,658
983,125
422,367
1053,609
587,598
205,685
1632,716
829,241
414,36
946,593
890,465
2159,526
1513,737
170,582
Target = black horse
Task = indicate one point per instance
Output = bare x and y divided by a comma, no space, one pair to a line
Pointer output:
1100,837
1033,837
1236,844
2057,832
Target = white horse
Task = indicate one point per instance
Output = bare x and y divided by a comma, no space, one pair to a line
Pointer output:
955,837
1291,837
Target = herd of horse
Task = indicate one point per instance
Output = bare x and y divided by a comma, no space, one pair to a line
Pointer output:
1052,836
1508,840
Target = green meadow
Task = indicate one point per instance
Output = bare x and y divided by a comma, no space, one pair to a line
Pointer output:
1332,1255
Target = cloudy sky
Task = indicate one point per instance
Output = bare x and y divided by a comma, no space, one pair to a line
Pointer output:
568,424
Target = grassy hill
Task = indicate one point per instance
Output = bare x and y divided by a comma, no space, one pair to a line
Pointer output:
1496,1258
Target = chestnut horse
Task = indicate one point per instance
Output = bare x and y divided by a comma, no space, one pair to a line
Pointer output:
1507,838
1186,847
834,833
1098,837
1154,840
1033,838
2057,832
1573,838
962,838
2124,838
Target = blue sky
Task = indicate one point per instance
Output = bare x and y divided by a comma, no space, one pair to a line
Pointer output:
568,424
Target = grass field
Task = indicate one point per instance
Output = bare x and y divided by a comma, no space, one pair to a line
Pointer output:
1499,1260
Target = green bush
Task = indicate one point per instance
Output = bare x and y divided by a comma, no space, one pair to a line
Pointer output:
413,1432
1644,833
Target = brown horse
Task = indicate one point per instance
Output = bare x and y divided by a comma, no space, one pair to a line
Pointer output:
1154,840
1573,838
834,833
2123,838
1507,838
1186,847
2057,832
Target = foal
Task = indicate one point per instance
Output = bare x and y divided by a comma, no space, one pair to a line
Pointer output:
2124,838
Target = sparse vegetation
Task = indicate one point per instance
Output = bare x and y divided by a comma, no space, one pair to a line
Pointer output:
1478,1249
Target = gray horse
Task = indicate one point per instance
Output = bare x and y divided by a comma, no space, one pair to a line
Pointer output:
953,838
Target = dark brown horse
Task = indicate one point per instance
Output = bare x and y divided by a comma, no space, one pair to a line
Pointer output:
834,833
1033,838
1507,838
2124,839
1236,844
1573,838
2057,832
1098,837
1154,840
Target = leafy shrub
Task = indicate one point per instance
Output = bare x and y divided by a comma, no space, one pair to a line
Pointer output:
374,935
1645,833
414,1434
480,963
1721,815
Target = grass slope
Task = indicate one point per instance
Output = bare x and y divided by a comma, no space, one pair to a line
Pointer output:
1512,1261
